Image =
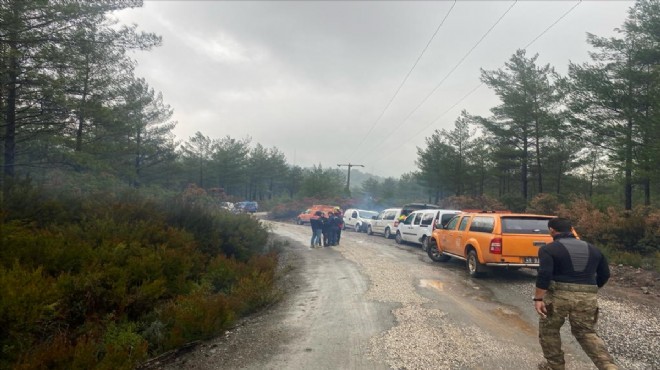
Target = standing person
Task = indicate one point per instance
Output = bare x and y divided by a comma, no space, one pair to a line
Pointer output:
570,273
340,224
326,229
335,221
317,229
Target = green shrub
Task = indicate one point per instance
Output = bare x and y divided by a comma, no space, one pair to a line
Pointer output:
104,281
544,204
196,316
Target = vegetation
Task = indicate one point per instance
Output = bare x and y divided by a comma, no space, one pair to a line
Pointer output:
583,145
104,281
113,249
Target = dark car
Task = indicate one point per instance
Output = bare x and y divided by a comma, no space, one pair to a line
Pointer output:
247,206
410,207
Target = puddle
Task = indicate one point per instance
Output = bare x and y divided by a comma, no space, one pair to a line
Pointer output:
514,319
435,284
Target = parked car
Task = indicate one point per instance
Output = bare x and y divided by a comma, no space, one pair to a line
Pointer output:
419,225
486,240
228,206
407,209
305,216
358,219
247,206
384,223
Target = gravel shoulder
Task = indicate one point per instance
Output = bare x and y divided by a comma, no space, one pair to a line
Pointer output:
373,304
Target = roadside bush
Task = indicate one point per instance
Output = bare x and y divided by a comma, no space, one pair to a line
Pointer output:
627,237
483,202
544,204
105,281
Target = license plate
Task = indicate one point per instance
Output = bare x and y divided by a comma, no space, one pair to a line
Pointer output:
531,260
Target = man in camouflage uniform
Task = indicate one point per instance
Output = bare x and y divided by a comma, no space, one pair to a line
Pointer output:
570,273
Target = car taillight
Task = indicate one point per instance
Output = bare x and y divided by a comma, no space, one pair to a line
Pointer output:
396,223
496,246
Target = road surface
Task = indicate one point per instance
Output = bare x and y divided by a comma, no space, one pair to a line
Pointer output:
372,304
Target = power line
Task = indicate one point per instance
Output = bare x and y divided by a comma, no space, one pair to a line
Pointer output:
447,75
553,24
481,84
407,75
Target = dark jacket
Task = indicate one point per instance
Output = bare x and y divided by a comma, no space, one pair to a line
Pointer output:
569,260
316,223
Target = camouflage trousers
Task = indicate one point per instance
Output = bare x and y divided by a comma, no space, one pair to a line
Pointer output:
581,308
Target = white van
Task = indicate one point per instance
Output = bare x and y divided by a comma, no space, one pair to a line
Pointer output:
418,226
358,219
384,223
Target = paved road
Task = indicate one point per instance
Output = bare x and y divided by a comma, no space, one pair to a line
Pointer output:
372,304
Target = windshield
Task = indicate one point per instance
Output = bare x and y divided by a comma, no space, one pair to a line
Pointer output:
526,225
368,214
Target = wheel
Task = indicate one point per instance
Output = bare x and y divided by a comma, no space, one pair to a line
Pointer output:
434,253
397,238
357,228
475,268
425,243
387,234
369,231
299,221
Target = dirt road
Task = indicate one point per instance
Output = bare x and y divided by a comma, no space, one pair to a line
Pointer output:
372,304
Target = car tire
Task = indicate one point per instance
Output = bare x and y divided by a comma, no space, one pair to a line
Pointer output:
435,255
398,238
387,234
299,221
425,243
357,228
475,268
369,231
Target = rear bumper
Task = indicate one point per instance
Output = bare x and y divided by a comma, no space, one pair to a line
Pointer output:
498,264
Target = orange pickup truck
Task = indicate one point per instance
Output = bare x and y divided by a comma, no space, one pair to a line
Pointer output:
486,240
304,217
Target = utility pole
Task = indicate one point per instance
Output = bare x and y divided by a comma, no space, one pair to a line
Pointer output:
348,181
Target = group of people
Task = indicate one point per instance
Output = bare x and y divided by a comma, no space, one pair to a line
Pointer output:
326,228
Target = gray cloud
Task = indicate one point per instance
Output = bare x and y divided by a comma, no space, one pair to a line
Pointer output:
311,78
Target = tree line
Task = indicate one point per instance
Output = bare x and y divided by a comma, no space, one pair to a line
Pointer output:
593,132
71,102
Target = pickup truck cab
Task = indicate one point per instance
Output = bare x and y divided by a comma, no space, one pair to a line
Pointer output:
487,240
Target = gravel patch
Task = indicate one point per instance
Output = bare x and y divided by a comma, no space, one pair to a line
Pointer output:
631,332
431,341
389,281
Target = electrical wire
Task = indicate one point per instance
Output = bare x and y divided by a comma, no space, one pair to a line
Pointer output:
405,79
553,24
445,78
481,84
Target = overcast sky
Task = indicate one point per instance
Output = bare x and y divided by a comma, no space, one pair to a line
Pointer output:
315,78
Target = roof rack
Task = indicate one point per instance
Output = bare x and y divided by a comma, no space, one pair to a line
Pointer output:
486,210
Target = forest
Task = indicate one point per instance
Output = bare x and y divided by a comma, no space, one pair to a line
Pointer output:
113,249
